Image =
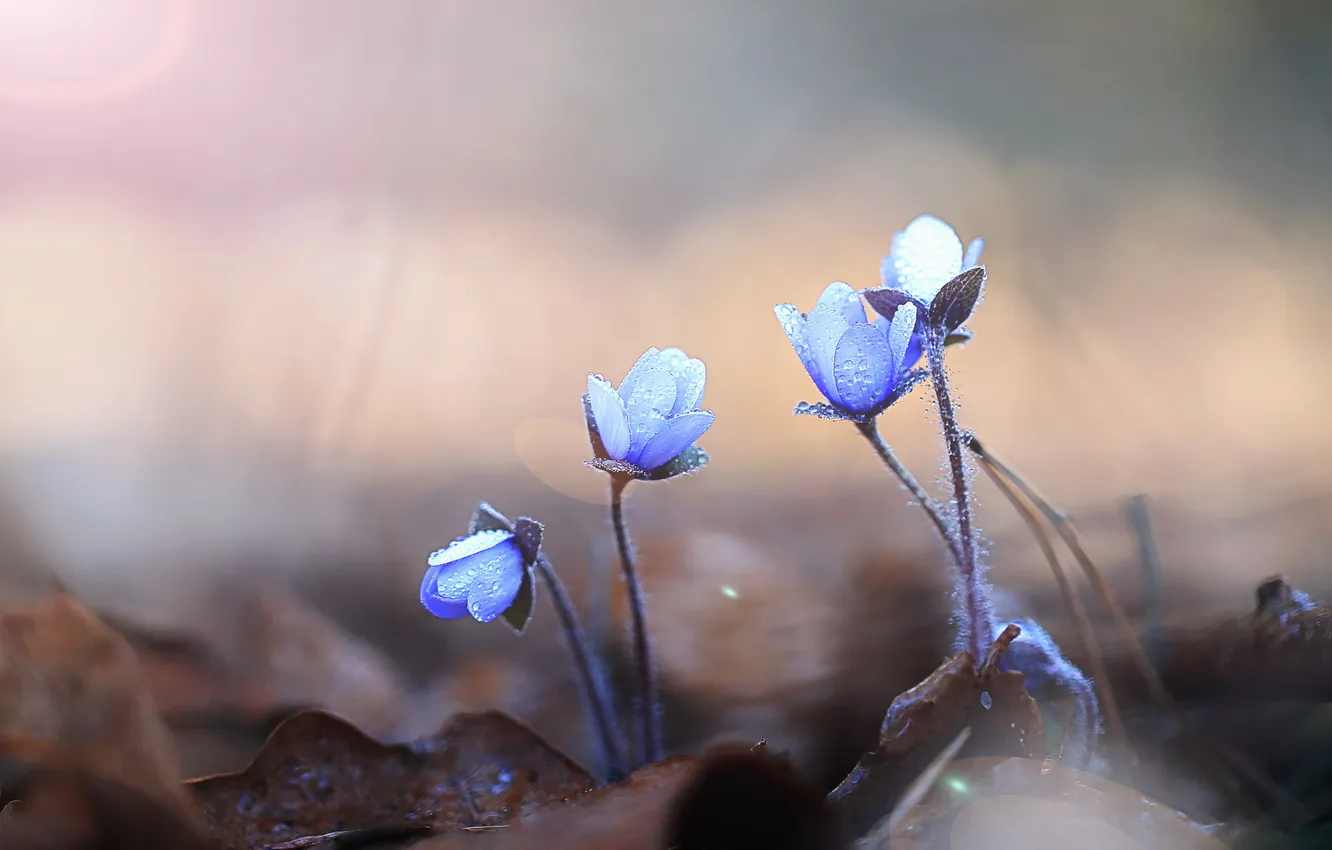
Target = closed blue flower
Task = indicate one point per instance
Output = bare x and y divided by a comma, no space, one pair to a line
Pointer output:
926,255
653,417
860,366
479,574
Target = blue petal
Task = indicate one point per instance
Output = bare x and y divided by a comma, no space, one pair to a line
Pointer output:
646,426
973,253
436,605
865,373
927,254
610,415
900,334
841,298
915,348
652,398
823,329
793,323
690,377
648,360
653,388
464,547
495,583
676,435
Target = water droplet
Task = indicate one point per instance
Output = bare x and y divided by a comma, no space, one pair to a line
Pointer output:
986,700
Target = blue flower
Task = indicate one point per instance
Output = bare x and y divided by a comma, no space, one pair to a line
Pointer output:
647,427
925,256
480,574
861,367
928,268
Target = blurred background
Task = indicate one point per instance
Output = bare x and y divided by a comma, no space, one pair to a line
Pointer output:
286,288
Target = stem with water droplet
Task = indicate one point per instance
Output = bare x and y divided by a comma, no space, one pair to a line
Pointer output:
977,615
649,727
593,683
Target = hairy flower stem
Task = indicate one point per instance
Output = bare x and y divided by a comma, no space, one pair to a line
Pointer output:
649,727
979,618
1091,647
870,430
593,684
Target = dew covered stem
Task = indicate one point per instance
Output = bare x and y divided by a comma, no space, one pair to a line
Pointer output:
870,430
595,694
978,617
649,727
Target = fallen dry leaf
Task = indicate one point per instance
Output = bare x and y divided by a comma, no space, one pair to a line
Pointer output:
1282,650
192,685
318,774
925,719
629,815
50,804
733,797
294,654
73,687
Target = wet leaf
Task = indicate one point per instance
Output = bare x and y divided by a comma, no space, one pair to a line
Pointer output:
926,718
958,336
953,304
629,815
886,300
1031,804
689,461
528,533
486,518
318,774
519,613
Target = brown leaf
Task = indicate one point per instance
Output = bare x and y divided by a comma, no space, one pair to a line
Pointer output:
629,815
733,797
1282,650
72,685
999,803
293,654
50,804
925,719
318,774
192,684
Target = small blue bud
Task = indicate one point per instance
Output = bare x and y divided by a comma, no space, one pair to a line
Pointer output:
478,575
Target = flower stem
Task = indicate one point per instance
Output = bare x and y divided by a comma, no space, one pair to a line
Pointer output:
1091,647
649,727
593,684
976,611
870,430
